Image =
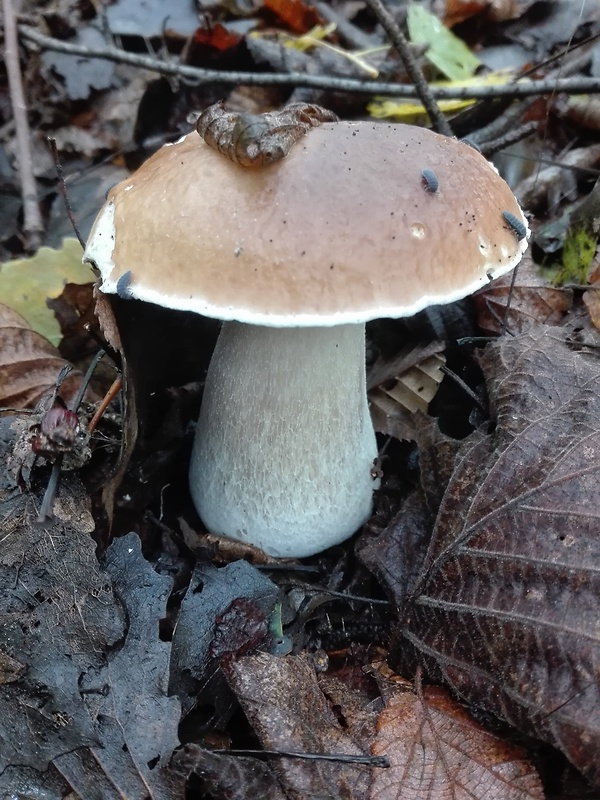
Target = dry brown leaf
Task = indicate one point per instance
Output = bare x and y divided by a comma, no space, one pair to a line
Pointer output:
550,184
403,385
532,302
29,364
285,706
591,298
505,609
437,752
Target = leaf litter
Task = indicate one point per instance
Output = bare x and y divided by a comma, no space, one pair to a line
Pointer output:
522,645
504,607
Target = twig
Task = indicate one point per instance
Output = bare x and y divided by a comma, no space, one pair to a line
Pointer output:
63,190
114,389
33,225
371,761
350,32
45,514
398,39
196,75
512,137
501,124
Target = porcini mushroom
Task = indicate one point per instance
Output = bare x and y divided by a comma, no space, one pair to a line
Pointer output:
295,257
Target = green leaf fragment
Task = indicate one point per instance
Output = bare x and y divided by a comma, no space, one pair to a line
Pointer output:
26,284
449,54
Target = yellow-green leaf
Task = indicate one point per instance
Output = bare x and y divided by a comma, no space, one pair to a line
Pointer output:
412,112
445,50
26,284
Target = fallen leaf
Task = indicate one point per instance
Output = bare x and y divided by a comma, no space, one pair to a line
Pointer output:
29,364
137,738
81,75
74,310
287,710
532,301
58,617
298,16
227,777
591,298
210,594
449,54
505,608
26,283
436,751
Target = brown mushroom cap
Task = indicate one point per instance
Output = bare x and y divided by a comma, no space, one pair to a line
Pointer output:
341,230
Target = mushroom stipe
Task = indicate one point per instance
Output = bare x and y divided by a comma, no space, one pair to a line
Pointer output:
517,227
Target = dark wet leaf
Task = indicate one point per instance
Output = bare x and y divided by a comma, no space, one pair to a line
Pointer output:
211,594
229,777
283,702
26,783
505,609
137,721
57,618
81,75
532,302
29,364
436,751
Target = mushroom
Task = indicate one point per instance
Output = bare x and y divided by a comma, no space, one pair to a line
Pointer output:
295,257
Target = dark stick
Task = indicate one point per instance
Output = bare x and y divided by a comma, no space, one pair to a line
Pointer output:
63,189
197,76
33,225
45,514
522,132
398,39
372,761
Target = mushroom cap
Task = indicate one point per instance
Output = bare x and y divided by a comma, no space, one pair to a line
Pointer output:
344,229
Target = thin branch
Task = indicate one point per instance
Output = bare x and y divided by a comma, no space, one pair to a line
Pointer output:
398,39
512,137
63,190
33,225
196,75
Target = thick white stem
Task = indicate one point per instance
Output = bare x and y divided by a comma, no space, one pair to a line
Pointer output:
284,446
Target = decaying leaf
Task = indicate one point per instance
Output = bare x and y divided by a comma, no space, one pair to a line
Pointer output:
297,15
436,751
505,608
398,388
551,184
532,301
591,298
281,698
26,284
29,364
229,778
57,618
256,140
